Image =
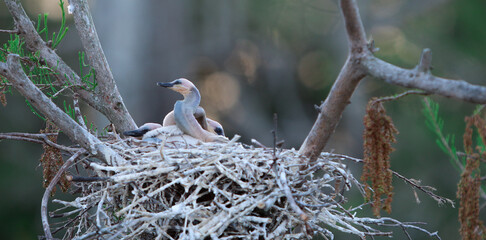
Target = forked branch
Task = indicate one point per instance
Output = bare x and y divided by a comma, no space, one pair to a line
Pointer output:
13,71
106,98
361,63
107,88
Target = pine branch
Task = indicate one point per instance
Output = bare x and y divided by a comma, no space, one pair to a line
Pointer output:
14,72
436,124
106,100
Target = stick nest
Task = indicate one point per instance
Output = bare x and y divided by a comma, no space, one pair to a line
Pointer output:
176,190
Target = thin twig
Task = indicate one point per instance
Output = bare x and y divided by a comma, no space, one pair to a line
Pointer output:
62,90
14,31
406,233
36,138
3,136
72,220
282,183
439,199
72,178
258,144
401,95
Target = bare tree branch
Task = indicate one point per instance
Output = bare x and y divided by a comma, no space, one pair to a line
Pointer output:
47,193
13,71
34,42
354,26
361,63
107,100
96,57
332,109
414,78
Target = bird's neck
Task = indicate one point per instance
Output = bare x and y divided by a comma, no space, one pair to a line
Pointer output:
193,98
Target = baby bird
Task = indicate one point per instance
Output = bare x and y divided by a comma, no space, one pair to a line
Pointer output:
185,110
186,123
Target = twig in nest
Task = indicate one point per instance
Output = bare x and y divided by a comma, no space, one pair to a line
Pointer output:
72,178
282,183
258,144
72,220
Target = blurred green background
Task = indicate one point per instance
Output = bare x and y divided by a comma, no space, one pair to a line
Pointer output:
251,59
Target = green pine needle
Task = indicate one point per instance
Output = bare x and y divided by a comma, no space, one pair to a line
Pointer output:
445,142
62,30
91,85
34,111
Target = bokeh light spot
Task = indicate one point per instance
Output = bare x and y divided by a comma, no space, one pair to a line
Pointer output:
220,92
312,69
244,60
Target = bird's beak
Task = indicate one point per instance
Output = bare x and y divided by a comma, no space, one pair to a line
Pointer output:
165,84
137,132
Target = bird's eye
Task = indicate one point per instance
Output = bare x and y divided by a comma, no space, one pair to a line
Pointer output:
219,131
177,82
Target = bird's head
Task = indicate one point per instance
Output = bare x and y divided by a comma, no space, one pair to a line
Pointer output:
181,85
